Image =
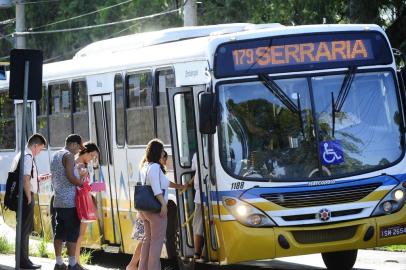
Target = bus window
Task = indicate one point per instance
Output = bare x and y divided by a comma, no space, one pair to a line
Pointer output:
140,117
42,116
7,122
99,131
368,123
80,110
166,79
264,136
185,128
119,105
59,114
107,113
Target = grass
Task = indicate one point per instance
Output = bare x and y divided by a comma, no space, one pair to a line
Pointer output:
5,246
86,256
401,248
43,248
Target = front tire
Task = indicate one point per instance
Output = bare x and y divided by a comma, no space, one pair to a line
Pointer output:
340,260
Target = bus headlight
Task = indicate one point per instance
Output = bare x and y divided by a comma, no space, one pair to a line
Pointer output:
398,194
391,203
387,206
242,210
247,214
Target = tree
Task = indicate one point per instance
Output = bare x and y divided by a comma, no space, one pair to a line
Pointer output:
390,14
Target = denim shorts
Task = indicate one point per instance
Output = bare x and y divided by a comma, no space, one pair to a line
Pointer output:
67,224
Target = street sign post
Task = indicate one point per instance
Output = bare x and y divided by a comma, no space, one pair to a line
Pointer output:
25,82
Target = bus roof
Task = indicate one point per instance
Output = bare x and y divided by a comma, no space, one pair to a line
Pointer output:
164,47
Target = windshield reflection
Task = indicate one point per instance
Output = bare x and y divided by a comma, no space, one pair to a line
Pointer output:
264,137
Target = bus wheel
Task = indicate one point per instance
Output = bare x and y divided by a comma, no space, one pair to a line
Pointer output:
340,260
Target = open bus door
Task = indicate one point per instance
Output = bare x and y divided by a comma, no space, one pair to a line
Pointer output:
186,141
108,221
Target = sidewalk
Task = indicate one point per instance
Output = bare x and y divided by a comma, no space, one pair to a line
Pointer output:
8,261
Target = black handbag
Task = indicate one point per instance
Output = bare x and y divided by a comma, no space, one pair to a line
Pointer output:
144,198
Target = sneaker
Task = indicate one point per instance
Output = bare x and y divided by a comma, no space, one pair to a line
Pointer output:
76,267
60,267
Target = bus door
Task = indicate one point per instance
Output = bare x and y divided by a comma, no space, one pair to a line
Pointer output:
186,141
101,126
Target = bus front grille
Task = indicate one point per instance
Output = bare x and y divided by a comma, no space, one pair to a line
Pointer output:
321,197
321,236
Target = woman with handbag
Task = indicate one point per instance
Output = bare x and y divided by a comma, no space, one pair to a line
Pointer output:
154,222
89,152
138,231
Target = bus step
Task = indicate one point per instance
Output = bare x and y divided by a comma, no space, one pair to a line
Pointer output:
111,249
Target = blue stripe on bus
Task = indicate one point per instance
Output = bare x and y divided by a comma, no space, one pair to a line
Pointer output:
253,193
2,187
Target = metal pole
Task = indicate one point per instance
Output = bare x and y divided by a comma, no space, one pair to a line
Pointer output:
20,24
21,178
189,13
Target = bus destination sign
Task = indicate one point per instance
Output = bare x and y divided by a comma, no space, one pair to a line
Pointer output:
300,53
304,53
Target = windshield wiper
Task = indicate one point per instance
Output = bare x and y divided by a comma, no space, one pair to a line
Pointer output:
345,88
278,92
337,105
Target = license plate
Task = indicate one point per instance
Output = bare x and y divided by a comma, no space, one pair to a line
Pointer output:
393,230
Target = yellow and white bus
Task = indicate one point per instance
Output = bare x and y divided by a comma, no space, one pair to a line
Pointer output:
299,133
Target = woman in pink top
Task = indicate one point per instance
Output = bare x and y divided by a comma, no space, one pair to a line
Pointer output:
89,152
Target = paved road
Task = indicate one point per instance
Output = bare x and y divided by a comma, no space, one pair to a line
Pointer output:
367,260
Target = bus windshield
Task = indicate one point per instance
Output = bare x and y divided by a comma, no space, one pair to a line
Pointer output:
291,128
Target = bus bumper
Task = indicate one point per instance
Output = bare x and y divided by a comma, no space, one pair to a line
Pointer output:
239,243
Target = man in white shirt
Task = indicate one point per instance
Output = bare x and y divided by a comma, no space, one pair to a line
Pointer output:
35,145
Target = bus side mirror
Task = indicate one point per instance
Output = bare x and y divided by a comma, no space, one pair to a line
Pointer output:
207,113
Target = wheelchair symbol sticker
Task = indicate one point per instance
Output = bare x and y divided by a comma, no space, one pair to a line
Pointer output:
331,152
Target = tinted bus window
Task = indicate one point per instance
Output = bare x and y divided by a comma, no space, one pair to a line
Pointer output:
139,112
42,113
165,79
7,122
60,114
119,106
80,109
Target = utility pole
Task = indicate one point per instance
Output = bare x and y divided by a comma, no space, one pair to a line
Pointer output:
190,13
20,24
20,44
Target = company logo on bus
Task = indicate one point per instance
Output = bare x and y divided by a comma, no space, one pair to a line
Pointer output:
321,183
324,214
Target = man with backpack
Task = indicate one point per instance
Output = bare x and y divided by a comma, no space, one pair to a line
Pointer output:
35,145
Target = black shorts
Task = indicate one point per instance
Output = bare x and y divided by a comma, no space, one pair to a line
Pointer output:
67,224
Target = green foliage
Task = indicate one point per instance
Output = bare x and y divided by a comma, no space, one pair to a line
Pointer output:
5,246
86,256
395,248
43,247
390,14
